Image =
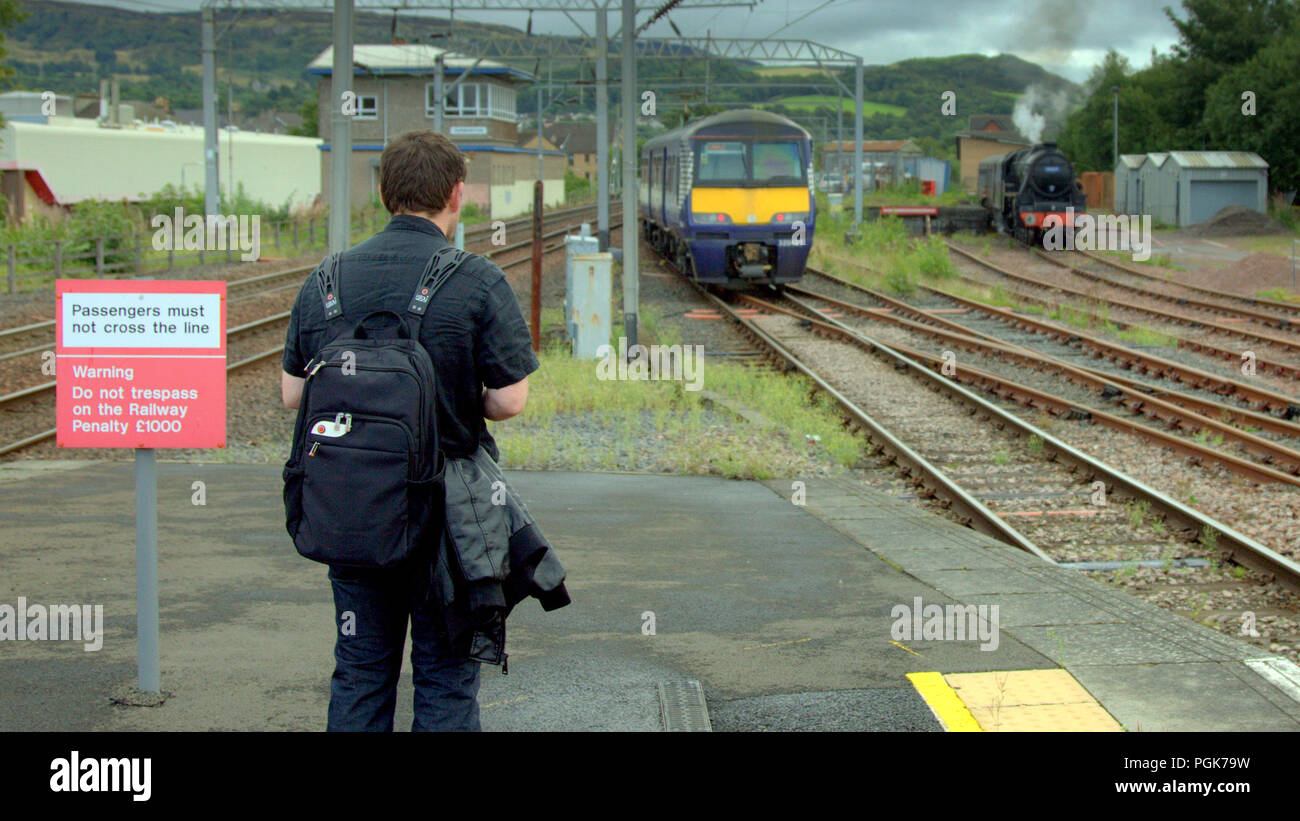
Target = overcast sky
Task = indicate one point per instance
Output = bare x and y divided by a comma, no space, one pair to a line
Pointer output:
1065,36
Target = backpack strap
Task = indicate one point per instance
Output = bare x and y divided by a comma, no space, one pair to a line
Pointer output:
327,281
441,266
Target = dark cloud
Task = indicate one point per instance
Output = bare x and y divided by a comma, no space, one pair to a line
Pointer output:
1065,36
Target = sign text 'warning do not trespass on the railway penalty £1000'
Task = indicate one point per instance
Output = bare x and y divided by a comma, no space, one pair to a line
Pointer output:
141,364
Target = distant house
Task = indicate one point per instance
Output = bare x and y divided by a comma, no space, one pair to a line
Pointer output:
394,87
272,122
987,135
578,142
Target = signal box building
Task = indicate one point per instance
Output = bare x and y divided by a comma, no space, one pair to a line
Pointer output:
394,87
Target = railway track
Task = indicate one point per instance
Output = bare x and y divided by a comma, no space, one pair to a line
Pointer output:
1004,366
1071,341
986,466
1029,476
1269,310
1278,352
36,402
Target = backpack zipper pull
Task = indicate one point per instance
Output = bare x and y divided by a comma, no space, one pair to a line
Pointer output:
319,365
314,445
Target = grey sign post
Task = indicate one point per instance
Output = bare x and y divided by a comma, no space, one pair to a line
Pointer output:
146,569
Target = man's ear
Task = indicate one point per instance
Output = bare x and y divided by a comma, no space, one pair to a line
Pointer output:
457,197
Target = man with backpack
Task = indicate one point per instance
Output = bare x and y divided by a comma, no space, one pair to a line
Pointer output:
397,351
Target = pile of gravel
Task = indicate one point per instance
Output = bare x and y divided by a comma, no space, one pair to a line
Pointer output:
1237,221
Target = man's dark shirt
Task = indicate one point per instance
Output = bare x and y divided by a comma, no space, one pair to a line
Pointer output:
473,330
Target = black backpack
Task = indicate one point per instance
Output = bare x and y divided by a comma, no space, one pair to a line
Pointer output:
363,486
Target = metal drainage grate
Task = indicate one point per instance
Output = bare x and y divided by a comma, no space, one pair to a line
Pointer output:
681,703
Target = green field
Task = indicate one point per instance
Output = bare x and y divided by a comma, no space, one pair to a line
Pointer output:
791,71
811,102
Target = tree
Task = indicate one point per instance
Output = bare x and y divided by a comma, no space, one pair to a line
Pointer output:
1271,79
310,112
10,16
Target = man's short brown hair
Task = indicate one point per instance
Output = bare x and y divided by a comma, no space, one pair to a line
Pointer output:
418,171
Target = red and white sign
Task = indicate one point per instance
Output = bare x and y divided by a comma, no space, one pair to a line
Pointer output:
141,364
910,210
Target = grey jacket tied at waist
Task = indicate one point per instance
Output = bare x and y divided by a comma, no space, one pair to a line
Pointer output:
492,556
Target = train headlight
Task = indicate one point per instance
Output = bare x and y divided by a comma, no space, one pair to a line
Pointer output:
710,217
789,217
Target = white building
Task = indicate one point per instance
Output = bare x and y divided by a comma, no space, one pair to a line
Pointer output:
53,164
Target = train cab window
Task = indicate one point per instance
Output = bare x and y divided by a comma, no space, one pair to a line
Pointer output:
777,162
724,161
743,162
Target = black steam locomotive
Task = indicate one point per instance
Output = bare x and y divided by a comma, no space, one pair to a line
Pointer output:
1023,188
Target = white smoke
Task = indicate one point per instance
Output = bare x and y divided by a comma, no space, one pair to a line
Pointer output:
1035,108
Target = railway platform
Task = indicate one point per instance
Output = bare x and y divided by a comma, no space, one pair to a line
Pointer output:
848,610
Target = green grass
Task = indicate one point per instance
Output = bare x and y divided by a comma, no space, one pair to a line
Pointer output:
809,103
627,425
1278,294
1142,335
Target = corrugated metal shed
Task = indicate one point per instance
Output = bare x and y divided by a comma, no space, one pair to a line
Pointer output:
1218,159
1126,182
1184,188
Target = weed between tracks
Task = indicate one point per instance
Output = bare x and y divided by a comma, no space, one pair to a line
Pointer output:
576,421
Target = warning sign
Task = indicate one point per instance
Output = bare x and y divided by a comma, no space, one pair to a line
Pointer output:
141,364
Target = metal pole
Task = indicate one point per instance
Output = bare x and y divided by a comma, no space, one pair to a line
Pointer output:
146,569
438,101
460,235
210,179
539,132
857,146
602,129
1114,161
535,297
631,223
340,129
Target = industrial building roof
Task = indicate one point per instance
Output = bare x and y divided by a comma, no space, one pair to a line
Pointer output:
1158,158
409,58
1218,159
1133,160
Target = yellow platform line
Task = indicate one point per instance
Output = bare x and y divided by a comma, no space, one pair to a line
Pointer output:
944,701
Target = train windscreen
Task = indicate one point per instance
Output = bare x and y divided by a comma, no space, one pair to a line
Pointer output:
749,163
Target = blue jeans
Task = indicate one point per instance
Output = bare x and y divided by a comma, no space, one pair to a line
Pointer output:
371,608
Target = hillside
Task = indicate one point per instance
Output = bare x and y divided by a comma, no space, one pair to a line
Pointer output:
68,46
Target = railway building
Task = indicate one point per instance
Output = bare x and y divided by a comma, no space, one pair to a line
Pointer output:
394,87
987,135
50,163
1183,188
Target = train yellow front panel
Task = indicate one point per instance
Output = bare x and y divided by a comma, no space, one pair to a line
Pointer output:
741,203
